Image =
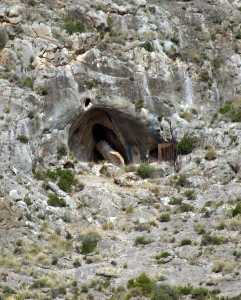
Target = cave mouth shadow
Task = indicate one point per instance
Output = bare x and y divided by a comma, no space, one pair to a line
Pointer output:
102,133
121,133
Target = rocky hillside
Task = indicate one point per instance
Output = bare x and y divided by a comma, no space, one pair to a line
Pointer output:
73,226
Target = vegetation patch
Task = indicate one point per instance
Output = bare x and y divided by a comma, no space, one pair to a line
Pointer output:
209,239
237,209
145,170
190,194
89,242
175,201
148,46
65,178
186,144
165,217
185,207
143,285
180,181
73,26
185,242
23,139
143,240
231,110
54,200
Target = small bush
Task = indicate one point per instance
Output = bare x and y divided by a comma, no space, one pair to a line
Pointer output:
89,242
65,178
208,239
175,201
185,207
145,170
161,257
72,26
226,108
148,46
165,217
190,194
237,210
223,266
28,82
185,242
186,145
181,181
143,240
232,111
23,139
199,228
54,200
143,283
43,282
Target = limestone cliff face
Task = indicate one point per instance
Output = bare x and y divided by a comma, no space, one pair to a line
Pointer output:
145,58
82,81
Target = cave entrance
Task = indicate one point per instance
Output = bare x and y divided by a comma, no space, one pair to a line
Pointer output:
106,140
112,135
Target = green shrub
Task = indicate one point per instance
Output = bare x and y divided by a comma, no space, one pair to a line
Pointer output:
181,181
165,217
186,145
143,240
175,201
65,178
226,108
145,170
164,292
148,46
232,111
199,228
28,82
185,207
143,283
89,242
72,26
153,290
208,239
190,194
162,255
237,210
23,139
54,200
185,242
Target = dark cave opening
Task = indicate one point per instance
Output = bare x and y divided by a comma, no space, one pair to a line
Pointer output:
107,134
87,102
153,155
102,133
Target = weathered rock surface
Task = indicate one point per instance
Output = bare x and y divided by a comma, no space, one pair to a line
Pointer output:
73,226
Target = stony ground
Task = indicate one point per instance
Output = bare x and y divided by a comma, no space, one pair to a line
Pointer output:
179,228
75,230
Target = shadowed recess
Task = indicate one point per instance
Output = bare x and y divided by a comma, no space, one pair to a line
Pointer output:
101,130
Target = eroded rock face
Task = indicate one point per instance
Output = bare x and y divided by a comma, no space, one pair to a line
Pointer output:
143,59
83,80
